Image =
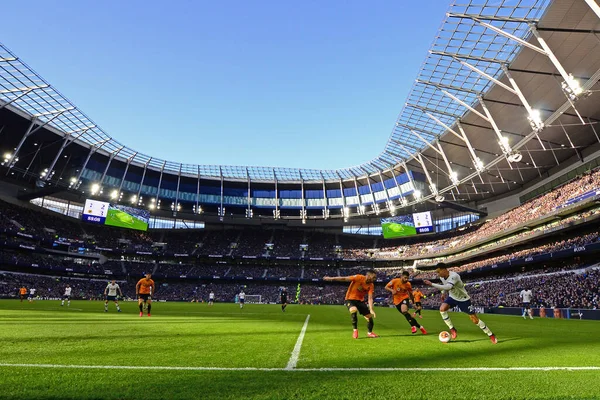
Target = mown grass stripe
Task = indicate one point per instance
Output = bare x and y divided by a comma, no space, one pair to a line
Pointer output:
333,369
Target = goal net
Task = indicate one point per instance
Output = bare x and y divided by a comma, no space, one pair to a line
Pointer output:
254,298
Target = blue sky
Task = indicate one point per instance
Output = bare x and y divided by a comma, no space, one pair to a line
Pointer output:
315,84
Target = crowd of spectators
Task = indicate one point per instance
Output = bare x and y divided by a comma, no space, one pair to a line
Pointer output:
563,289
567,286
551,247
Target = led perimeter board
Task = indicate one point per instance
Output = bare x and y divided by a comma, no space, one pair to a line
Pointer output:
103,213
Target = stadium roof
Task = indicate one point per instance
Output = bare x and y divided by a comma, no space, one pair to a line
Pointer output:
459,122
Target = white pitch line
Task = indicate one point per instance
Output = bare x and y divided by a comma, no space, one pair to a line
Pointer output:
296,352
416,369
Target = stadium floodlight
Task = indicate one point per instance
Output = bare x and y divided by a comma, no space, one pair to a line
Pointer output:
479,165
404,202
535,120
391,207
417,193
454,177
7,157
346,212
44,173
249,213
439,198
114,194
151,206
95,188
505,145
133,199
572,87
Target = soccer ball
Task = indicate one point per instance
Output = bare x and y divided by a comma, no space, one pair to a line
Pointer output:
444,337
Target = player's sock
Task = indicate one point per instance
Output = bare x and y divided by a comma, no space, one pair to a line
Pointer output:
411,320
484,328
370,325
354,320
419,312
447,319
69,303
105,306
149,308
141,307
62,303
118,308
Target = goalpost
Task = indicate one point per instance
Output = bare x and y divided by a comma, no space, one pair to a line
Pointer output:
254,298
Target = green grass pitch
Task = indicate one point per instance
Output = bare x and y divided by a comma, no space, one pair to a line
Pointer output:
121,219
393,230
251,348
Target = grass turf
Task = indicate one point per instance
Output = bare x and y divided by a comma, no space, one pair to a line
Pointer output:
195,335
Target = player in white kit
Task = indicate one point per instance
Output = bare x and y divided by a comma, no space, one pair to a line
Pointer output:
526,296
211,298
31,295
242,297
457,297
67,296
110,294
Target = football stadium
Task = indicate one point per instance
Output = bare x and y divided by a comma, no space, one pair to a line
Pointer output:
458,262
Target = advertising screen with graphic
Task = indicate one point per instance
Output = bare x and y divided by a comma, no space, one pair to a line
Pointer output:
103,213
407,225
399,226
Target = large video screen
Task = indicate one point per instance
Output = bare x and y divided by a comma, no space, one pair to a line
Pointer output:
103,213
407,225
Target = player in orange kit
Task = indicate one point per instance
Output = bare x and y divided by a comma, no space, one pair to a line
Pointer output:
22,293
417,295
144,289
403,294
360,285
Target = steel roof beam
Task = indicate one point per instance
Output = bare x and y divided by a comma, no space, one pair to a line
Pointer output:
325,206
427,109
594,6
444,86
23,89
486,75
129,160
465,105
143,177
162,169
488,17
21,142
15,99
67,140
467,57
110,158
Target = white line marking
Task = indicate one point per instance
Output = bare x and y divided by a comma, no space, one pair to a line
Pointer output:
296,352
416,369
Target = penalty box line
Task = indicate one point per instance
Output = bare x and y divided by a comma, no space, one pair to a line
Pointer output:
375,369
293,361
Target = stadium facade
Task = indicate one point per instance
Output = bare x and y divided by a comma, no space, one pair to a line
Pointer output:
506,96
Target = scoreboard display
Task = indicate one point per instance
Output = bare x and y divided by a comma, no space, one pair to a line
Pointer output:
103,213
